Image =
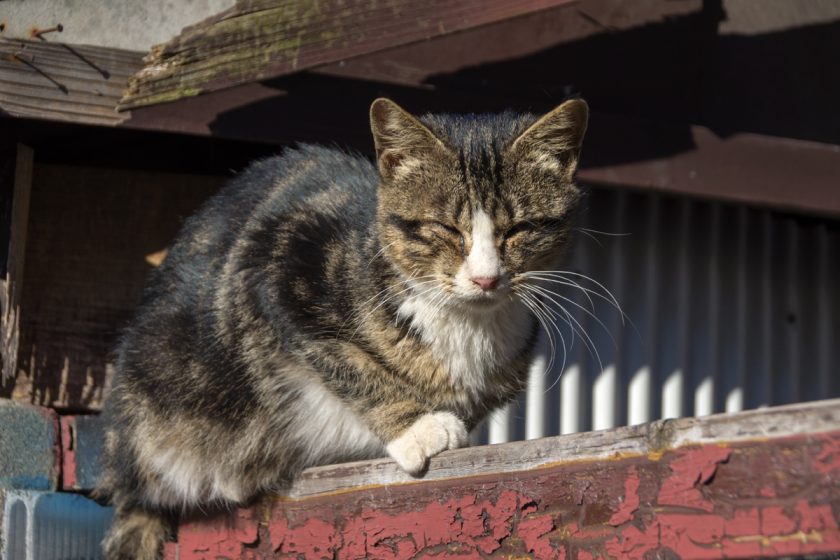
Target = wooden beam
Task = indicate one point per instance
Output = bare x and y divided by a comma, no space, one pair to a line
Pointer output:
760,483
15,186
781,173
260,39
434,64
57,81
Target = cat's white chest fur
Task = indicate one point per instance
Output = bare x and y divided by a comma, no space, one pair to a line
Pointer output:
469,343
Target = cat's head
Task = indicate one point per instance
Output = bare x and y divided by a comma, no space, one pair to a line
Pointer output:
468,203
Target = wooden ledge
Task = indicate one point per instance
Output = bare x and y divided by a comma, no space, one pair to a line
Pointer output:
643,440
755,484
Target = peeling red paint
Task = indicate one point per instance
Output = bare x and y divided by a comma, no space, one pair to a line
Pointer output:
690,468
828,459
774,521
750,532
743,522
219,536
314,539
631,499
532,530
68,453
633,543
466,525
633,508
814,518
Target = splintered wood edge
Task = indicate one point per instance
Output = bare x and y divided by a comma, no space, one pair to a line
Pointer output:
649,440
251,42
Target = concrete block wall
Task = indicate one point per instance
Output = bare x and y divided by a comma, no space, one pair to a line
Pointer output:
42,457
29,447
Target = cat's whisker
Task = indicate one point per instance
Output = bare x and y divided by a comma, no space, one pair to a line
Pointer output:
563,275
587,234
607,233
551,276
585,338
573,284
533,305
551,294
565,281
552,315
385,301
580,331
530,306
391,287
380,252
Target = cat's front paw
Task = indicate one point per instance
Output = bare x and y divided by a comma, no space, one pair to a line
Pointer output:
429,435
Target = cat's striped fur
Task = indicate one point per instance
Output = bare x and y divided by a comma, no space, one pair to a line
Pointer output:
321,308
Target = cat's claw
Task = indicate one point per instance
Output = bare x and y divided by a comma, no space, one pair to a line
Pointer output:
429,435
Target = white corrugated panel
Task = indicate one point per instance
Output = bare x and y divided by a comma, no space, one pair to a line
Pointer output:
727,307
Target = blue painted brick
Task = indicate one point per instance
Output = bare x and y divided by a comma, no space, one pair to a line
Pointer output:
82,441
29,447
51,526
90,437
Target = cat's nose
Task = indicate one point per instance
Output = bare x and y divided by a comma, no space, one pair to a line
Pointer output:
486,283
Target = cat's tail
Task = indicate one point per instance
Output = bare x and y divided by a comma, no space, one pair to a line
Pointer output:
137,534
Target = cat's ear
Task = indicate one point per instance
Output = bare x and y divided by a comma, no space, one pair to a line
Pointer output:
402,142
554,141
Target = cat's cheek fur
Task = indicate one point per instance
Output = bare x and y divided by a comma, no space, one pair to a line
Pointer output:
429,435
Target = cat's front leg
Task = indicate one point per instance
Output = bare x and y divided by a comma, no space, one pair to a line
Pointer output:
430,434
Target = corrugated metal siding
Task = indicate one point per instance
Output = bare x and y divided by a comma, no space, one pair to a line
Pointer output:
727,308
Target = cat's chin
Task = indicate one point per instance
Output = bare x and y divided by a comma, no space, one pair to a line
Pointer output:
485,302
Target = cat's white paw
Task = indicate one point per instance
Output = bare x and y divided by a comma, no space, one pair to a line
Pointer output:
429,435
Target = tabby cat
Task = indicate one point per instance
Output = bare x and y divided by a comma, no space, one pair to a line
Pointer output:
322,308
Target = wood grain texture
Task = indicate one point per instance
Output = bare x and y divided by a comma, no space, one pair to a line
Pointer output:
56,81
260,39
640,440
762,483
434,64
15,185
90,235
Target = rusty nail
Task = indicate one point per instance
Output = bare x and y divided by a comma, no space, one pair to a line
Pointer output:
2,26
35,32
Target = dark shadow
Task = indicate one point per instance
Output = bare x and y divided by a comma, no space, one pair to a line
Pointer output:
782,83
645,86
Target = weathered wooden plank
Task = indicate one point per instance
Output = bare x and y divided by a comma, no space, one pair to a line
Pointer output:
762,483
431,63
56,81
86,262
15,186
639,440
256,40
750,168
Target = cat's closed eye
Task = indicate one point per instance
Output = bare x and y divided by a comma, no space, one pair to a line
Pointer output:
448,233
517,229
536,225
